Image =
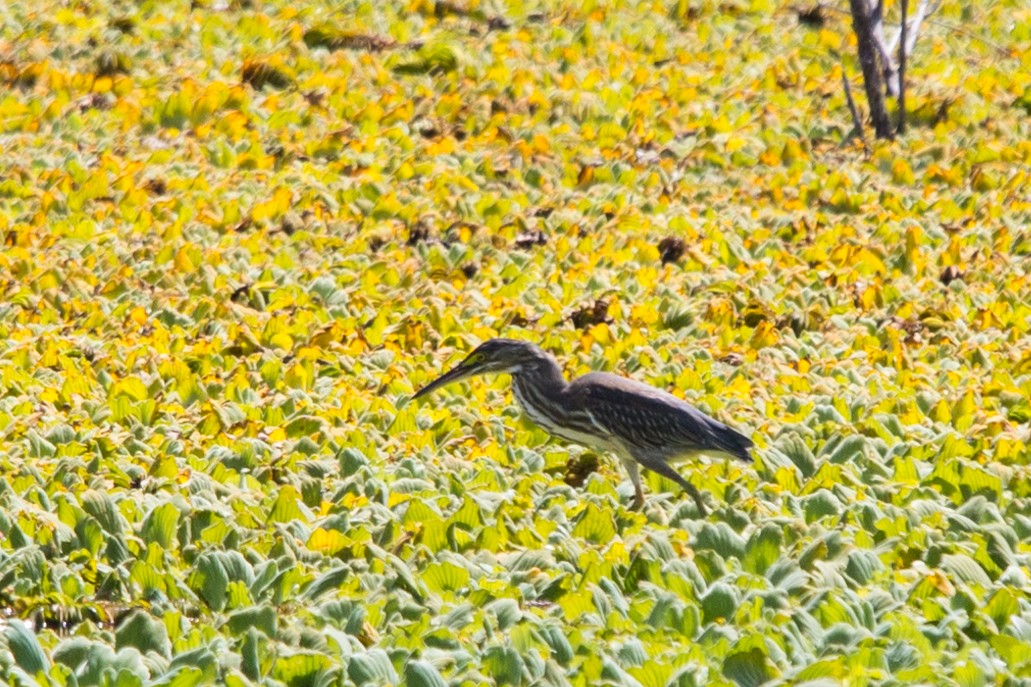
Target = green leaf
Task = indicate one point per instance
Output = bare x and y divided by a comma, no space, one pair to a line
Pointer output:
261,618
302,669
422,674
848,450
25,648
446,577
505,611
965,569
504,665
832,668
252,652
211,581
72,652
372,667
458,618
721,539
719,602
997,552
979,481
145,633
969,674
288,506
595,526
763,549
749,668
160,524
189,676
327,582
103,509
303,426
351,460
1003,605
200,659
1015,653
820,505
796,451
652,673
862,565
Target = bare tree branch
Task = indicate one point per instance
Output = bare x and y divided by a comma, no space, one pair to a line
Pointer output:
908,37
856,121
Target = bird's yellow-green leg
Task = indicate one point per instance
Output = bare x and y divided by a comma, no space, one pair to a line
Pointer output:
634,470
666,470
697,496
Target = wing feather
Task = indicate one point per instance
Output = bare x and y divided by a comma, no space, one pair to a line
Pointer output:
651,418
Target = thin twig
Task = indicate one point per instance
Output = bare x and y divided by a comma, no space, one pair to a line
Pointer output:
1004,52
901,128
856,122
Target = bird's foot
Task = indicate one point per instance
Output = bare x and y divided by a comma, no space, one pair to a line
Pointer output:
638,503
698,502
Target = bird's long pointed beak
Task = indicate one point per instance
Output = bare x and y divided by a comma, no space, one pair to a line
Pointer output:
460,371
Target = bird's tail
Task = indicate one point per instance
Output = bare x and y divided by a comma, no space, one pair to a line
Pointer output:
736,444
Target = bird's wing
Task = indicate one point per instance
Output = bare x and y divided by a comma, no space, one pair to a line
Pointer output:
652,419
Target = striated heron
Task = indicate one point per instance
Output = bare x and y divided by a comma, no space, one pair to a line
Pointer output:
644,426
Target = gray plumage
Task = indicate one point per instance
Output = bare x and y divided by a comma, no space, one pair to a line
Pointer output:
644,426
654,419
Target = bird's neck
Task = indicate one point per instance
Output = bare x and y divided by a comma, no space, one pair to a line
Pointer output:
544,373
537,382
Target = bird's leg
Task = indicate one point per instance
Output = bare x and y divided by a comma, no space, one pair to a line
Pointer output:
634,471
663,468
697,499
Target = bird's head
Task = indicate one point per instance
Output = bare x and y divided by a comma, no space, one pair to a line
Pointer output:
495,355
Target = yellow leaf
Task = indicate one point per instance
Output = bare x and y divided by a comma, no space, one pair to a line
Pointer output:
830,39
281,340
735,143
792,153
600,333
328,541
183,262
74,384
765,334
274,207
643,315
739,387
689,379
720,312
902,173
444,146
138,315
132,387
